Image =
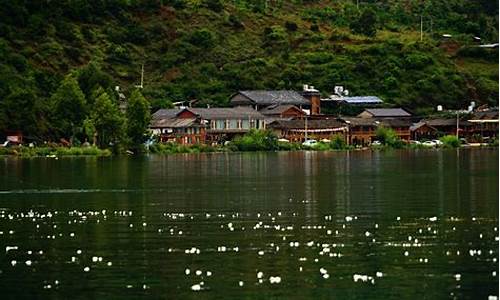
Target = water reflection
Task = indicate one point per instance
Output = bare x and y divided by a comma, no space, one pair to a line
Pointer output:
254,225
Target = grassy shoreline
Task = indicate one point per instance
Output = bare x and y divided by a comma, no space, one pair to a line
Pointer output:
22,151
170,149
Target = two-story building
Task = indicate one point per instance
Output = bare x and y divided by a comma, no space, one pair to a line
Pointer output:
200,125
178,126
297,130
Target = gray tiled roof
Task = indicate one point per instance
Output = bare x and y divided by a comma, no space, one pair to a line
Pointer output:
359,121
227,113
388,112
275,97
444,122
211,113
485,115
165,113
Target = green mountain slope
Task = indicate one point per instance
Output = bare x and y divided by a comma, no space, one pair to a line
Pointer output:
208,49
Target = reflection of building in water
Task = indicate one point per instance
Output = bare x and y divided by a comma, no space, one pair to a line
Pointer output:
342,185
310,176
441,183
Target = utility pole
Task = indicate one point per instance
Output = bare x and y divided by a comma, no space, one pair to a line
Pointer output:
457,124
142,76
141,86
421,28
305,132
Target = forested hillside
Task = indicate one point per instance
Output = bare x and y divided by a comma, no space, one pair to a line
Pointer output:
206,50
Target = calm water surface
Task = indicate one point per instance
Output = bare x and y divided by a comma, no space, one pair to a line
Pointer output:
306,225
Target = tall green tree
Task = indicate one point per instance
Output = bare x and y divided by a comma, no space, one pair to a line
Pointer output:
69,108
107,120
138,118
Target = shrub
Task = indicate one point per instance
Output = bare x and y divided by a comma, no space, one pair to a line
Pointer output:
286,146
450,141
388,137
338,142
257,140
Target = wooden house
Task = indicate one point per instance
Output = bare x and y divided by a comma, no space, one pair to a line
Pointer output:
198,125
361,130
178,126
483,124
400,126
295,130
434,128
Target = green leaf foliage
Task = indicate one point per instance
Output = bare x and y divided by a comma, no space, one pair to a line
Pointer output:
138,118
108,121
68,108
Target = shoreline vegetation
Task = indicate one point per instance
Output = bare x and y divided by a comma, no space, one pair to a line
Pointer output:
254,141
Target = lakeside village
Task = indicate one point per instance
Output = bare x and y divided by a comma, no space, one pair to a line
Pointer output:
295,120
296,117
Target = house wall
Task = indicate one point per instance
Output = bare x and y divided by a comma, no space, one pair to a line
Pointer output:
186,114
424,132
315,100
184,136
289,113
237,124
361,135
487,129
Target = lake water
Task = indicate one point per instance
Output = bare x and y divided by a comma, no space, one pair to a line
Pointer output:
303,225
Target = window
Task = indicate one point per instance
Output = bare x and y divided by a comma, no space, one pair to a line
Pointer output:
232,124
245,124
221,124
